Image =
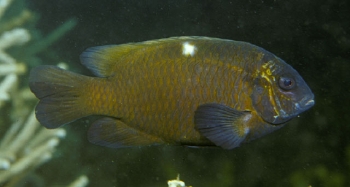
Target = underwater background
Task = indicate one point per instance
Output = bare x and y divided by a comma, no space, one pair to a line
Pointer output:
312,36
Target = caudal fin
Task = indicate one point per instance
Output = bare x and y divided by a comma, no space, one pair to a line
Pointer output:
59,92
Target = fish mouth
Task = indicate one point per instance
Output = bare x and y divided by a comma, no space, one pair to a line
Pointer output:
309,103
305,104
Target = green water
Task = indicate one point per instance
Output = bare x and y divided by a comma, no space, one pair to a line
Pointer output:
312,36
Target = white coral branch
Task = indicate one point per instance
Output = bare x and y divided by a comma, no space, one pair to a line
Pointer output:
3,6
17,157
17,36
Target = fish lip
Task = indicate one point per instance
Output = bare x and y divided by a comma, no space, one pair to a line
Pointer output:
304,105
299,107
309,103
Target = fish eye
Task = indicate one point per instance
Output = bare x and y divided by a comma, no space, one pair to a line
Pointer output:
286,83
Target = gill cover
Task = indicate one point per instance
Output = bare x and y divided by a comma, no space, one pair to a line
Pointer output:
263,95
264,102
279,92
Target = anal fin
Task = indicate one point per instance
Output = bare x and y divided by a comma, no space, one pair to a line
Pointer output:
114,133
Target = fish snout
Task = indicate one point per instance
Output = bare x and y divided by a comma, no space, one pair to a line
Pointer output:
309,103
305,103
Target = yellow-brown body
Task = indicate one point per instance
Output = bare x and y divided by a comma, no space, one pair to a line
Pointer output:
156,87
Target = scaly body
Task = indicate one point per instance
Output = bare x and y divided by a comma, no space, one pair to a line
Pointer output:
153,92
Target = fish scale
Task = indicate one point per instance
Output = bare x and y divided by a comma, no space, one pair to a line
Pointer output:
196,91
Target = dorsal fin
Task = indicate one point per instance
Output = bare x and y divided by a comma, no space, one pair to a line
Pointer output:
101,59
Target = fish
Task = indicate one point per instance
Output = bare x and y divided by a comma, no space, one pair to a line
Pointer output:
191,91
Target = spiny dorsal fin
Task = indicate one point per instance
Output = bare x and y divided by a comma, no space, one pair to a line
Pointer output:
101,60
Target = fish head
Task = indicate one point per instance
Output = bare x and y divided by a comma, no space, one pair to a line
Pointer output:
279,92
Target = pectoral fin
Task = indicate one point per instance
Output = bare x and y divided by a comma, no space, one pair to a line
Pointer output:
224,126
114,133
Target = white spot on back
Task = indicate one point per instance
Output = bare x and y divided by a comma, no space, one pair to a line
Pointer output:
188,49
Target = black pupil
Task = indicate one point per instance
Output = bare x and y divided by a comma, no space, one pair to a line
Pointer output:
287,82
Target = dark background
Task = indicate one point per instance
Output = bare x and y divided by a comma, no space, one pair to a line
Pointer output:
311,35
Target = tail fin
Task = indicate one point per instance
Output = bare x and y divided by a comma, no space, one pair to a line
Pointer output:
59,92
